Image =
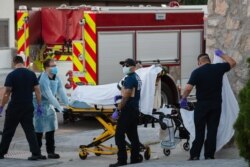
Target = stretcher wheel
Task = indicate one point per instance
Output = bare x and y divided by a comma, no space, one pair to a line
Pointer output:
147,153
166,151
83,155
186,146
98,149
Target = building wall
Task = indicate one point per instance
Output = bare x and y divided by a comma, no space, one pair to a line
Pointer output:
7,12
229,29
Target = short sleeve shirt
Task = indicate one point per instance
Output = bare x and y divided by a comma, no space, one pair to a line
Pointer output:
22,82
133,81
208,81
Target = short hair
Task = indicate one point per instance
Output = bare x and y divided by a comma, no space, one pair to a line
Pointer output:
18,59
204,57
46,63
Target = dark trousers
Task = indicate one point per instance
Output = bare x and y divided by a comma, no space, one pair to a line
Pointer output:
127,124
207,113
50,141
16,114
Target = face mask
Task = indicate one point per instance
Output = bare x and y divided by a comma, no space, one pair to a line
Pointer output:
54,70
126,70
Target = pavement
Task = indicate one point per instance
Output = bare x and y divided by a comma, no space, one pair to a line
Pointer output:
70,136
68,144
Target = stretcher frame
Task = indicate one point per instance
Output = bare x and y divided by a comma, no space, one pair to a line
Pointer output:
103,116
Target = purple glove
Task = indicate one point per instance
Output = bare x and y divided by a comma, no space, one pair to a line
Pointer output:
115,114
183,103
117,97
218,52
39,111
1,110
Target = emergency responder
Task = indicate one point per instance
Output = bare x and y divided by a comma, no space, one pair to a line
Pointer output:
46,122
20,84
208,81
129,115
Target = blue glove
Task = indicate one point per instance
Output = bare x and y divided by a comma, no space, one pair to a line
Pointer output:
115,114
183,103
218,52
1,110
39,111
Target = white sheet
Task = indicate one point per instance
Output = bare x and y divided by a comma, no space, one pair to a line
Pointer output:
100,94
104,94
148,77
230,110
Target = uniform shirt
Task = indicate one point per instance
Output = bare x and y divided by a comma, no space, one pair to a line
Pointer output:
208,81
133,81
22,82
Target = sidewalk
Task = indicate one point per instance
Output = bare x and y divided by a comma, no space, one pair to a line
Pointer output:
67,147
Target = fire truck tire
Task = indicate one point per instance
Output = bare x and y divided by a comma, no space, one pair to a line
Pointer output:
166,95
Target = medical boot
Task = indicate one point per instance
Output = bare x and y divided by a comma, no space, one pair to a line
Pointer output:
118,164
53,156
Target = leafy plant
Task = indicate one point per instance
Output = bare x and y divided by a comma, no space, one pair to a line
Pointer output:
242,124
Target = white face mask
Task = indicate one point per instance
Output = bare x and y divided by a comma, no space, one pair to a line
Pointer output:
126,70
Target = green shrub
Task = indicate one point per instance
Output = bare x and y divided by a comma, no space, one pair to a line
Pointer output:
242,124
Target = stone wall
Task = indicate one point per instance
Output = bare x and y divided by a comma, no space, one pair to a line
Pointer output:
228,28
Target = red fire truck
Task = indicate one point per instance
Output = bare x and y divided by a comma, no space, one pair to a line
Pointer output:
89,41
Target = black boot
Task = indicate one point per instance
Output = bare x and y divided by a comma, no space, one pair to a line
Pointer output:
34,157
193,159
139,159
53,156
118,164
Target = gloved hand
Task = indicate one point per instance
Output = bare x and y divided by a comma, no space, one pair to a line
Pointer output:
1,110
115,114
183,103
39,111
218,52
117,97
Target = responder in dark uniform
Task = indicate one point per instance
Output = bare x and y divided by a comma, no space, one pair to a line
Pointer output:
20,84
208,81
129,115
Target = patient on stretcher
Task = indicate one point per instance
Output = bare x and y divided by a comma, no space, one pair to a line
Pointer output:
103,95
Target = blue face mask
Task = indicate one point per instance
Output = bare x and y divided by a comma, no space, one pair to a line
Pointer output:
54,70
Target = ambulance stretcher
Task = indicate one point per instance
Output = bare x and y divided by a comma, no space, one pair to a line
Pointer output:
94,98
103,116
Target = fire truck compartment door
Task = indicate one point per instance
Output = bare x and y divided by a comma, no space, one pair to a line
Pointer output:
113,47
191,47
161,45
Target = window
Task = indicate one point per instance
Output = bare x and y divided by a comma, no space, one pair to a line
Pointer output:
4,33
